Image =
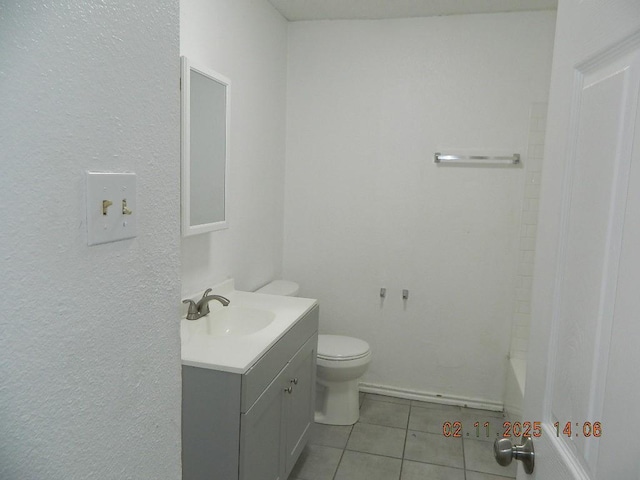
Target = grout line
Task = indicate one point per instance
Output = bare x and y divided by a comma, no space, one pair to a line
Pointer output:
343,450
378,399
377,454
445,465
338,466
406,436
464,462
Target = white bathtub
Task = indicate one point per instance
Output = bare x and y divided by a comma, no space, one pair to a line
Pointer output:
514,390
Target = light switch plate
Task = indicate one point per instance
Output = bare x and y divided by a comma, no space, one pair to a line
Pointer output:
117,220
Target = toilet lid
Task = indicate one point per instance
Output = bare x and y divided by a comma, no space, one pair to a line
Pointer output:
338,347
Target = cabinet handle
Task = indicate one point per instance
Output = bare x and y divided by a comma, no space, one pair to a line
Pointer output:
294,381
288,389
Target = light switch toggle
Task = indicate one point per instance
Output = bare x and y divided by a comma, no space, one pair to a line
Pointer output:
125,209
109,218
106,204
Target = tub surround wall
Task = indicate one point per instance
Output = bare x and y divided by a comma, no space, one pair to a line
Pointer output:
528,231
245,41
90,346
521,323
514,388
368,104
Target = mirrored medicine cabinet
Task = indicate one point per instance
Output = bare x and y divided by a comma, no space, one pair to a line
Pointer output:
204,149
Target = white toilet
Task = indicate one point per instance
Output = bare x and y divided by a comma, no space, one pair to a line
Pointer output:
340,364
341,361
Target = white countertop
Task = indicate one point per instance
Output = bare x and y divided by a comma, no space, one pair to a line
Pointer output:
238,354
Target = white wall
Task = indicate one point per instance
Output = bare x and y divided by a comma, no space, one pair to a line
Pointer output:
246,41
368,104
89,342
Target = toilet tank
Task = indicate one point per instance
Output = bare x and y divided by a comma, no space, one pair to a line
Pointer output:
280,287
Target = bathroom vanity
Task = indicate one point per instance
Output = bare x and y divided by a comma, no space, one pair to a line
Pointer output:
248,407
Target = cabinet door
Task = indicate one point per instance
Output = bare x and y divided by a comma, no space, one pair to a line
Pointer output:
299,402
262,435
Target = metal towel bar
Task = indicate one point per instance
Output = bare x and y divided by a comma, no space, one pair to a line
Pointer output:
444,158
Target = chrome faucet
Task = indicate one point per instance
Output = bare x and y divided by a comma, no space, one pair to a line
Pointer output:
200,309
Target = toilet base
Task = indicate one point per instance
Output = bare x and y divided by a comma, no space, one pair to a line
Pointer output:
339,402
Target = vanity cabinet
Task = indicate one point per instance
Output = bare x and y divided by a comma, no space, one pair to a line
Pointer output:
275,429
252,426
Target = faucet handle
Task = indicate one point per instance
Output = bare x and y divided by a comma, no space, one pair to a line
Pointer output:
203,306
193,308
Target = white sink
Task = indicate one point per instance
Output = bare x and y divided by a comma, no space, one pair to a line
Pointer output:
233,321
233,338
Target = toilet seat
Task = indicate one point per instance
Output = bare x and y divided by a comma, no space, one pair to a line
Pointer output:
341,348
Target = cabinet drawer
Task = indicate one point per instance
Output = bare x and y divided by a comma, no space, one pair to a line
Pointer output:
269,365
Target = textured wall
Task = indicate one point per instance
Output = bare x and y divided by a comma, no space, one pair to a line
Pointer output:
246,41
89,338
368,104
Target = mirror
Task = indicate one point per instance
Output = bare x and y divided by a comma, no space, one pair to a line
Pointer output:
204,148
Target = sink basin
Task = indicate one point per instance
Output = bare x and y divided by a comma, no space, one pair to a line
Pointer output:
234,321
231,339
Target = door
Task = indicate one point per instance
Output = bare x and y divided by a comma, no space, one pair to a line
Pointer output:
300,400
262,435
585,338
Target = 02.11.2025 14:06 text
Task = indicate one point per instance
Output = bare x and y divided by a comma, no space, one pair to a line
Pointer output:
455,429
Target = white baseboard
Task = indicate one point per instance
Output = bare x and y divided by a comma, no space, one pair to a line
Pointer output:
432,397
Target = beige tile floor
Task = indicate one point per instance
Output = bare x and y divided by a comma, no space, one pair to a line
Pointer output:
398,439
